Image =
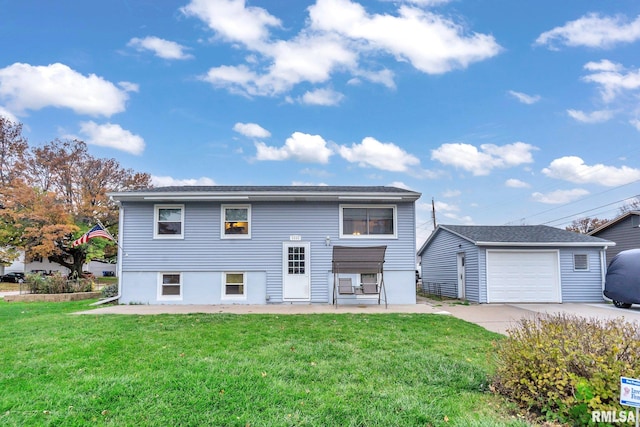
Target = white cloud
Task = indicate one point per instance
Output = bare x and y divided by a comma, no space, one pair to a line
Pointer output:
304,59
129,87
451,193
251,130
593,30
168,181
481,162
612,79
307,184
516,183
299,146
337,35
8,115
160,47
635,123
430,42
325,97
233,21
446,207
603,65
383,77
592,117
113,136
524,98
573,169
400,184
428,3
381,155
26,87
559,196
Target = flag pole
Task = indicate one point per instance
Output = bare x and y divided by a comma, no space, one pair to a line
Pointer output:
109,233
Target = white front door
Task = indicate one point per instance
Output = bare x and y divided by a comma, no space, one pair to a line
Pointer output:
296,277
461,275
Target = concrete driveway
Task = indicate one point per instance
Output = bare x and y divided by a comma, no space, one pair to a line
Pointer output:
500,317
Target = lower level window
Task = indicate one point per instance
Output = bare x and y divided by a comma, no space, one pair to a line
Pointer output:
170,286
234,285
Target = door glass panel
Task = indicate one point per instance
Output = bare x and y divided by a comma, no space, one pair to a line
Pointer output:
296,260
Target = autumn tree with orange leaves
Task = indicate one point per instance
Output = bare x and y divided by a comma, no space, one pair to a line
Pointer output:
51,194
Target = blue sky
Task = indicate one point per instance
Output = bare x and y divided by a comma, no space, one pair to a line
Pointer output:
505,112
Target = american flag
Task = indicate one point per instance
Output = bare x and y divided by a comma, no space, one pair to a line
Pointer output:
96,231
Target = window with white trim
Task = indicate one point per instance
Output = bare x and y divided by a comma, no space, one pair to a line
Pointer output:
368,221
168,222
234,285
169,286
581,262
236,222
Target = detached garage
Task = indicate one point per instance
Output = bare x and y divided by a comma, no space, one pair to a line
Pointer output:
514,264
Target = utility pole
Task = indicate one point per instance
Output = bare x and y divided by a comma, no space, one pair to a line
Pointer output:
433,213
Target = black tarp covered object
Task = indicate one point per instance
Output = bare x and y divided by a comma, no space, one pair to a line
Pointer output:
622,283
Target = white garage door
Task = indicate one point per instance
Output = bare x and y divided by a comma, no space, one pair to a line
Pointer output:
523,276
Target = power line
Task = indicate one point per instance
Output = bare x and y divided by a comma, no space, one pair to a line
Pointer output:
577,201
589,210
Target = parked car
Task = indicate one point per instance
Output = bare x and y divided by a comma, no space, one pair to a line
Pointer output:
12,277
622,282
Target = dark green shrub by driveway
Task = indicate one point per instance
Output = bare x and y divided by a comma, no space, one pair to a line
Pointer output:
566,366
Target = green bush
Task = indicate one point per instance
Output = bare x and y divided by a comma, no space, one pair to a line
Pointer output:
56,284
566,366
110,291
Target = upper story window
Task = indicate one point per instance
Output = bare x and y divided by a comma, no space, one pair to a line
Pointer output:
368,221
169,221
236,221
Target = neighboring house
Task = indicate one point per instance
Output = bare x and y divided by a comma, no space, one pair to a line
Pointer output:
98,268
493,264
258,244
624,230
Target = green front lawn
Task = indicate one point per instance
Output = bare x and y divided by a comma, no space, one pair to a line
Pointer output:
244,370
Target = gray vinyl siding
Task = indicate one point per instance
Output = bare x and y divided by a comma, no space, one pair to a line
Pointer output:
624,234
439,264
581,285
272,224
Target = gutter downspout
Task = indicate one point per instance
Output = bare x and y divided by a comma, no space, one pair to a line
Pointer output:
119,263
603,267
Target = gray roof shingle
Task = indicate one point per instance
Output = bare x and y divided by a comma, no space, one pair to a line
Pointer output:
520,234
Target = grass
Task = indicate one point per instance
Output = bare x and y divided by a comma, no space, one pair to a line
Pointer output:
244,370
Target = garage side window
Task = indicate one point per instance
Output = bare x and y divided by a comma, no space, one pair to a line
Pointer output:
581,262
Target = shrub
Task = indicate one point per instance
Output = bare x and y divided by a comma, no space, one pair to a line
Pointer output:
566,366
110,291
56,284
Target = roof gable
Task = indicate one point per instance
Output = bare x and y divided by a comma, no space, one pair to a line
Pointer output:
613,222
